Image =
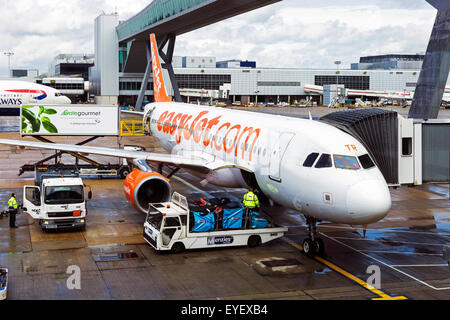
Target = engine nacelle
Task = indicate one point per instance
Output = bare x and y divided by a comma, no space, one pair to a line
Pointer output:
142,188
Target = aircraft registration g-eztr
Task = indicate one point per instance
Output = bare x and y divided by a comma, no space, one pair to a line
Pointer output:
13,94
305,165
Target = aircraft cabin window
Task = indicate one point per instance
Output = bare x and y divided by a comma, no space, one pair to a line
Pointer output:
309,162
346,162
366,161
324,161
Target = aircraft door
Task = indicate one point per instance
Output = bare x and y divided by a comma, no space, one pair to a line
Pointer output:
280,142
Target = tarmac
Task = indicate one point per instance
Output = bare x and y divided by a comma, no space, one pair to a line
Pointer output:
116,263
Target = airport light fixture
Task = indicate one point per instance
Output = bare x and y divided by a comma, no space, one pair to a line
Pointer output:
9,54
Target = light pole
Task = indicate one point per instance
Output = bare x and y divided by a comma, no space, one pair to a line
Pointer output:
337,63
257,87
9,54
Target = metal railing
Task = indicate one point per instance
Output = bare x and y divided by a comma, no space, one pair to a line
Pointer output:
133,128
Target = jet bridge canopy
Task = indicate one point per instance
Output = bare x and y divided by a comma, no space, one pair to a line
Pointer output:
377,130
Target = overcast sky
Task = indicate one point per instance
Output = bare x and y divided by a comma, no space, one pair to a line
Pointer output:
291,33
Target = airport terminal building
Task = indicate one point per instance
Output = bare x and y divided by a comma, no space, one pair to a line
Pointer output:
119,70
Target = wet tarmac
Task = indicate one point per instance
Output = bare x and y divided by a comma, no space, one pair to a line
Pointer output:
116,263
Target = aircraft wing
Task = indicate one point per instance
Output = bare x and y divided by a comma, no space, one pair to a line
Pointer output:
136,113
194,161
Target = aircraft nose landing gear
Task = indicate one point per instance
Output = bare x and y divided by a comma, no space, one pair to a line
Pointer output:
313,245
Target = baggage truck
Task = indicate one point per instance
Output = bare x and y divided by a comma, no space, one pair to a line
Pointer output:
173,226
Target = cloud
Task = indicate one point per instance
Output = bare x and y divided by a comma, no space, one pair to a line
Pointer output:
313,34
290,33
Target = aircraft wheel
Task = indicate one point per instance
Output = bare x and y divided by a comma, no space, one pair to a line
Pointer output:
308,247
319,246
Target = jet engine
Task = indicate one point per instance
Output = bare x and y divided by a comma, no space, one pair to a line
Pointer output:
143,188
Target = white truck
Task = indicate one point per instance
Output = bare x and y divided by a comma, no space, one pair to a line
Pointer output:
57,201
171,227
3,283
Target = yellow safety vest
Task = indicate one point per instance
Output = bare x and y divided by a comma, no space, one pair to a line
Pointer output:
12,203
251,200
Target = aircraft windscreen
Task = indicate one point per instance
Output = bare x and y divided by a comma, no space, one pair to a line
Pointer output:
346,162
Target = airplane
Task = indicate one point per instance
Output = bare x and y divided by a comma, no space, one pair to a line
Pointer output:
392,95
308,166
15,93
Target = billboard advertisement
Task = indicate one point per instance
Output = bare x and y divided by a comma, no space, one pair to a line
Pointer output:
70,120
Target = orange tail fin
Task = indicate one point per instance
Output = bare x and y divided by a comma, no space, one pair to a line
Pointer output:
158,82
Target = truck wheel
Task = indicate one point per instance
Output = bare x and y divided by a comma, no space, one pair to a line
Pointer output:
124,172
178,247
254,241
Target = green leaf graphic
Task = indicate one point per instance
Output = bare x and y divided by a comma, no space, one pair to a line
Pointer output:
41,110
50,111
49,126
31,117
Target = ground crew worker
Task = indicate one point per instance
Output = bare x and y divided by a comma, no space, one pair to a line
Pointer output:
251,204
12,206
251,200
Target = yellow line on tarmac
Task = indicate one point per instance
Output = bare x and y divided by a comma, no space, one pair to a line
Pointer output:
365,285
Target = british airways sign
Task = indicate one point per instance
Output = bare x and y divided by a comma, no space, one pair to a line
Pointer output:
11,101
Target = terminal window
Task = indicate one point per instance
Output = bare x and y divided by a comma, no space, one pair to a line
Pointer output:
278,84
202,81
350,82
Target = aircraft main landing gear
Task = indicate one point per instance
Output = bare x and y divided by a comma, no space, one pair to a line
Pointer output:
313,244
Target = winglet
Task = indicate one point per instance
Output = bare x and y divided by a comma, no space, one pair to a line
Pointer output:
158,82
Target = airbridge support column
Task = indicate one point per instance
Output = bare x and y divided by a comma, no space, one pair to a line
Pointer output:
436,66
148,73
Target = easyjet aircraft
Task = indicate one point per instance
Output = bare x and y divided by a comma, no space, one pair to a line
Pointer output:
305,165
15,93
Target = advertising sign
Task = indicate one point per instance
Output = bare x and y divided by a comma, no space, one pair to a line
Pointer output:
69,120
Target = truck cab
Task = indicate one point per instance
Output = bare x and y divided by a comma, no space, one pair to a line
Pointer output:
171,226
57,201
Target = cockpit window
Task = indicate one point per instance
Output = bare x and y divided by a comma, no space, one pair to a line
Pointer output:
309,162
324,161
346,162
57,94
366,161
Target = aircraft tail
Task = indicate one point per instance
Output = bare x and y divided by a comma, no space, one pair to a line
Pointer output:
158,81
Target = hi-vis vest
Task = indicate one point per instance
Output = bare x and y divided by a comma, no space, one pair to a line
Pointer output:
251,200
12,203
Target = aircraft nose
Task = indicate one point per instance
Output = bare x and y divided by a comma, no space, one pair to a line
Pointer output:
368,201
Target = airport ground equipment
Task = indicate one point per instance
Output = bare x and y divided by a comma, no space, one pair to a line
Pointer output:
90,168
3,283
173,226
4,214
43,122
57,200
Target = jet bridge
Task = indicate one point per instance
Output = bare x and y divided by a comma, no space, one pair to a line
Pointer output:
407,151
377,130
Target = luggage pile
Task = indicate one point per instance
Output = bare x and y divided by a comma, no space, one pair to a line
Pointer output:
223,214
